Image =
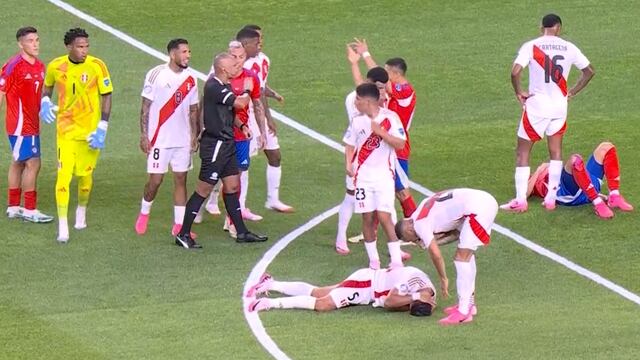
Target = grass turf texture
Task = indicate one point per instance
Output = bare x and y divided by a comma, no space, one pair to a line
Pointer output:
112,294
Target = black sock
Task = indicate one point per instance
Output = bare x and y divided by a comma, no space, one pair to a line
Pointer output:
232,204
191,210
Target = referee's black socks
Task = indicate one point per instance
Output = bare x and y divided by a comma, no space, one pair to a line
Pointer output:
191,210
232,204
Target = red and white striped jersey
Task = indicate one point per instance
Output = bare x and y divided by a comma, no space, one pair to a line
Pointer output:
171,94
374,159
260,65
549,59
402,100
22,83
407,280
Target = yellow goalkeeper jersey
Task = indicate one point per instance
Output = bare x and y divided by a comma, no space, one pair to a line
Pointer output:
79,88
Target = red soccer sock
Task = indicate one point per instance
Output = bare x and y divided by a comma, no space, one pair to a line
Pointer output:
612,169
14,196
582,179
408,206
30,199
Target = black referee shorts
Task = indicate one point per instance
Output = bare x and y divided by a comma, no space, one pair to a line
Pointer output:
218,159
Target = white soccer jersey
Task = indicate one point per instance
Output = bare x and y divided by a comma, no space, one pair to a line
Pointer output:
259,64
350,105
549,59
171,94
374,159
407,280
451,209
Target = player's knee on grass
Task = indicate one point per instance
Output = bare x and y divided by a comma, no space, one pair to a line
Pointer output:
273,157
325,304
601,150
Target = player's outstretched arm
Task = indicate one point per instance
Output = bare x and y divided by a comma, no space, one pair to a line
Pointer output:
363,49
438,262
585,76
354,58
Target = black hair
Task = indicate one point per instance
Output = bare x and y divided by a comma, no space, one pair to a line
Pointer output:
551,20
398,228
378,74
398,63
420,308
246,34
175,43
368,90
252,27
73,34
23,31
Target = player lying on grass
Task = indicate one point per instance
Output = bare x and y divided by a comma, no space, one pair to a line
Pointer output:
580,184
472,212
400,289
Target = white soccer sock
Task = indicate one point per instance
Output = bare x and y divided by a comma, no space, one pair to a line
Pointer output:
394,252
613,192
244,188
394,216
294,302
292,288
522,179
178,214
555,171
63,229
81,217
344,216
372,250
145,206
465,279
274,173
473,266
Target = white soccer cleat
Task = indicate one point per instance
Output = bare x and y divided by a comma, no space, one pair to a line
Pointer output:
263,286
356,239
230,228
14,212
198,218
63,231
213,209
35,216
81,218
248,215
279,206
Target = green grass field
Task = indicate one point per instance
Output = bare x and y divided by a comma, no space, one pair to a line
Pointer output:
110,294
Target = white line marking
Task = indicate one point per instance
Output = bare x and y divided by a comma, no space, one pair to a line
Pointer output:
336,146
252,318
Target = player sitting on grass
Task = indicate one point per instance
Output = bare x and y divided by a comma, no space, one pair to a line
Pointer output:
580,184
399,289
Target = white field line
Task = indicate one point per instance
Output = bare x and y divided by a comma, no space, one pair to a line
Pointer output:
336,146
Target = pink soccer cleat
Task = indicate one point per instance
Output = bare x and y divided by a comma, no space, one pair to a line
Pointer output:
406,256
248,215
617,201
176,229
261,304
449,310
342,248
141,224
456,318
516,206
549,205
602,210
279,206
262,286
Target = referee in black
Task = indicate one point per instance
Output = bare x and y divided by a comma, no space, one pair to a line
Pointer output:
218,151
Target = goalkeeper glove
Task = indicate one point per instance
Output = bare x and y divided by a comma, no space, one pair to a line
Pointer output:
96,138
47,110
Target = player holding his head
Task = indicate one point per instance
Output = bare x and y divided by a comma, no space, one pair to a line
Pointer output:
370,144
84,91
401,289
580,183
21,82
549,58
472,213
402,101
169,128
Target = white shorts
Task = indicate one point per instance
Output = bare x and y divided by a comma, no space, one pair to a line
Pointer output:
357,289
534,128
159,160
372,197
271,142
476,227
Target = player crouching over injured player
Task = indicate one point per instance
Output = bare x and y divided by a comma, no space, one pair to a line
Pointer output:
580,184
399,289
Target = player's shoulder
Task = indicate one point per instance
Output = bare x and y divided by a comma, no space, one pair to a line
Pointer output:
264,57
390,114
154,73
97,63
350,98
11,64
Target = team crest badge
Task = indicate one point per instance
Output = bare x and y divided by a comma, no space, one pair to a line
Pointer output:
84,77
398,87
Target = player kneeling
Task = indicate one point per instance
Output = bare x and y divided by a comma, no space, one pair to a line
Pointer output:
399,289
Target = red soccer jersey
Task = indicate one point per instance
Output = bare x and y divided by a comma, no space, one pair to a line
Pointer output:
402,101
237,86
22,84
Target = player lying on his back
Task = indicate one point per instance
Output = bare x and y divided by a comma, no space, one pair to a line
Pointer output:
400,289
470,211
580,184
